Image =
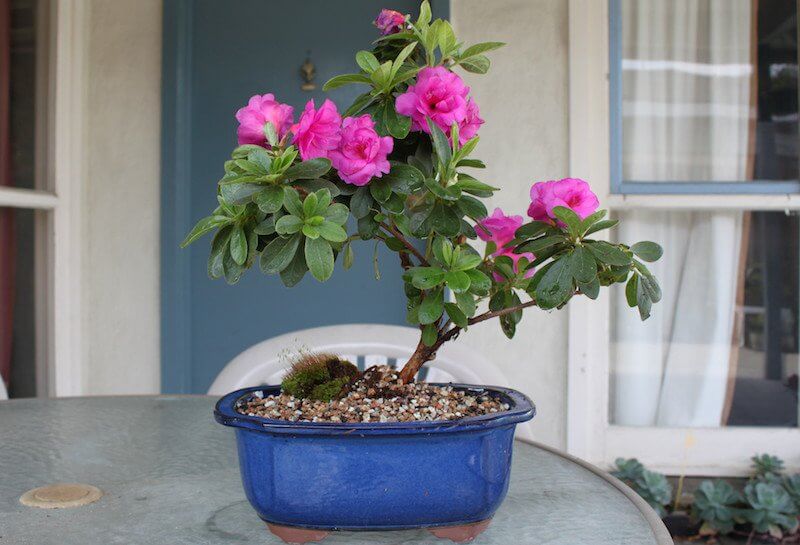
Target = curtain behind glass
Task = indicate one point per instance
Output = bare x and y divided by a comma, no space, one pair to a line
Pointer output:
686,117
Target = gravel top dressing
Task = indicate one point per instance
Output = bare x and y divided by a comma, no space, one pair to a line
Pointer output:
378,396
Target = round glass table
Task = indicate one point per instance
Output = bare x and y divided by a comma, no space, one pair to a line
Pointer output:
170,475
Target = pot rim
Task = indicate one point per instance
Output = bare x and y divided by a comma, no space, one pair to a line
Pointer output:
521,409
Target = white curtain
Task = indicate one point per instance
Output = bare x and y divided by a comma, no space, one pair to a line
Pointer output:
686,118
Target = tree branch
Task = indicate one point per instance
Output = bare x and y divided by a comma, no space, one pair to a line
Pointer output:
399,236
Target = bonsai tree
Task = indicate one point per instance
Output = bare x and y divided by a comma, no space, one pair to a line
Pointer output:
398,167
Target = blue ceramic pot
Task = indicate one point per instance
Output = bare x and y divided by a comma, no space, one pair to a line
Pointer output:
373,476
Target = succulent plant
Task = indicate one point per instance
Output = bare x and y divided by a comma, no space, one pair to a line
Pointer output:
628,470
715,505
766,467
321,377
770,508
791,484
652,487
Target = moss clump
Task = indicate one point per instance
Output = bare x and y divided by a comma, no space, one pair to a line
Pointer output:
321,377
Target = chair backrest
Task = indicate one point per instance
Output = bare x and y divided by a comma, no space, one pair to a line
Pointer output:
3,392
364,344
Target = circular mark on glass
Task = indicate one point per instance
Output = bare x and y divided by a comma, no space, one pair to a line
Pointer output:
60,496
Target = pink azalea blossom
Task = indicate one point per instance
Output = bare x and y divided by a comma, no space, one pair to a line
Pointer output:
361,154
318,131
471,123
498,228
260,110
571,193
390,21
439,94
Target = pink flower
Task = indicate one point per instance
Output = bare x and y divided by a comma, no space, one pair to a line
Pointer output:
498,228
317,133
571,193
260,110
361,154
439,94
390,21
509,252
471,123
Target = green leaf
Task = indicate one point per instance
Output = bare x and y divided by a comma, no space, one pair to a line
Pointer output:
271,134
537,245
310,205
345,79
440,143
237,193
451,193
361,202
311,231
404,178
648,251
532,229
465,258
238,245
308,170
570,218
429,335
471,163
270,199
424,14
583,265
608,253
319,258
591,289
233,271
219,247
295,271
631,289
468,184
347,260
279,253
380,190
480,284
425,278
432,307
401,58
337,213
643,301
359,104
456,315
204,226
288,225
367,227
266,227
442,250
466,302
260,157
332,232
444,220
478,49
458,281
555,287
367,61
291,200
599,226
380,77
478,64
396,125
472,207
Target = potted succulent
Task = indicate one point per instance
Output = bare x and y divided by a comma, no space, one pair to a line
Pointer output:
333,448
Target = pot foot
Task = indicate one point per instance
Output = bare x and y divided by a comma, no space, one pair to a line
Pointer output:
461,534
290,534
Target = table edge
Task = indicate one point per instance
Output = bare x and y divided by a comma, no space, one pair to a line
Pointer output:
660,532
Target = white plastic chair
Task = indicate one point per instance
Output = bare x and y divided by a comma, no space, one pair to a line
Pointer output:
365,344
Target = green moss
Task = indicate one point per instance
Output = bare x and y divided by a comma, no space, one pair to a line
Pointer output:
319,376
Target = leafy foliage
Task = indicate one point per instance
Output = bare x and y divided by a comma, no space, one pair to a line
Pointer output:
293,216
651,486
766,467
715,504
770,508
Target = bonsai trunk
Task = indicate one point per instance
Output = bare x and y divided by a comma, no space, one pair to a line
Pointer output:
420,357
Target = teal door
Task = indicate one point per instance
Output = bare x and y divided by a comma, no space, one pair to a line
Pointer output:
217,55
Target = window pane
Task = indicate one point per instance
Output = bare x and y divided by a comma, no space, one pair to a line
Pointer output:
721,349
709,90
19,231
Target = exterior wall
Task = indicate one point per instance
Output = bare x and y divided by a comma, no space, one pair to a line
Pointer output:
121,221
524,139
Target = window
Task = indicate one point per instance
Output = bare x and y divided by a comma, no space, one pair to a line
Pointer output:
40,157
697,103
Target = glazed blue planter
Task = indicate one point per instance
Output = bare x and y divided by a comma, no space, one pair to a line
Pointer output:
376,476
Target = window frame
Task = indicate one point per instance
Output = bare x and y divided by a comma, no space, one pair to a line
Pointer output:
60,150
689,451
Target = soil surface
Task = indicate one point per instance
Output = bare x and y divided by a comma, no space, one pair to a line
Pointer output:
378,396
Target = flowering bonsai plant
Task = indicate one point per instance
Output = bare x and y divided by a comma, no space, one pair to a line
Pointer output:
398,167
